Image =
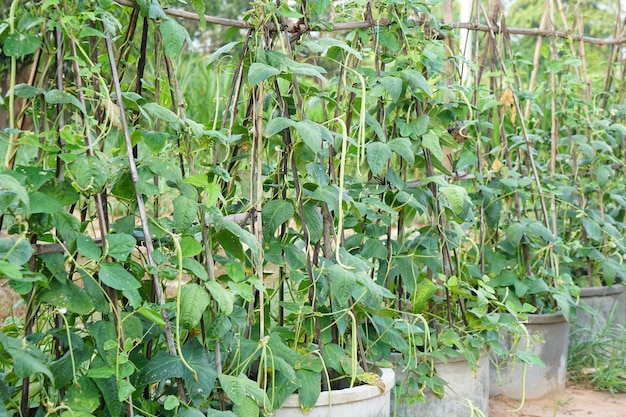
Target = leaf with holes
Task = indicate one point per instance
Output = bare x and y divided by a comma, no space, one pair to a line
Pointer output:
20,44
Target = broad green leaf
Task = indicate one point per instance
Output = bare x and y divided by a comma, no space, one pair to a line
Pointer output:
515,232
221,51
43,203
20,44
303,68
67,225
342,283
404,148
277,125
174,36
185,212
69,296
160,112
275,213
417,81
309,388
63,97
260,72
161,367
115,276
314,221
592,228
171,402
536,228
194,302
457,197
15,250
329,195
378,154
28,360
322,44
125,390
190,246
120,245
186,411
155,141
87,247
13,190
27,91
424,291
393,85
246,408
246,237
83,396
311,134
225,298
204,364
89,174
233,387
430,141
195,268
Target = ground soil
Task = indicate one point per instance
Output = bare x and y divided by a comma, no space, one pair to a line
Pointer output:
575,401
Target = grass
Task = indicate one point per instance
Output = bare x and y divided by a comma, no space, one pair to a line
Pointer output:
599,361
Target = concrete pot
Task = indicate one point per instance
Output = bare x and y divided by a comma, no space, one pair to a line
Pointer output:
361,401
549,337
607,306
464,387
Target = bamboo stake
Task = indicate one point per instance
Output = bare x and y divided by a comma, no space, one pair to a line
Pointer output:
142,210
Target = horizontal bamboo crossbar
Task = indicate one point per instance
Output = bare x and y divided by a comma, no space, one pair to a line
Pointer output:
296,27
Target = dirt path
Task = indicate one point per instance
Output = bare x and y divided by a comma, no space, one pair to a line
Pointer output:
574,402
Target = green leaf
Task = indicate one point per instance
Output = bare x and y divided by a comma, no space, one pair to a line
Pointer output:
260,72
233,387
67,225
20,44
43,203
125,390
225,298
277,125
514,233
89,174
194,302
185,211
27,91
393,85
418,82
190,246
196,268
174,36
120,245
87,247
221,51
457,197
161,367
424,291
404,148
536,228
314,221
63,97
430,141
246,237
155,141
160,112
274,214
311,134
15,250
13,189
171,402
69,296
378,154
342,283
246,408
309,388
592,228
190,411
83,396
115,276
